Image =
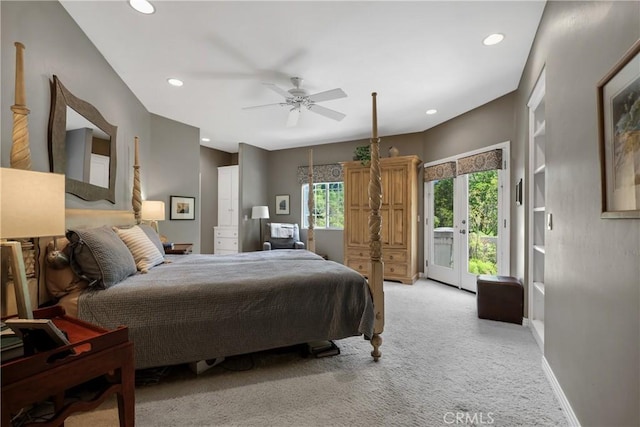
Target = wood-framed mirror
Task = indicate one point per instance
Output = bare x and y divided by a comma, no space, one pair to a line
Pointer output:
82,145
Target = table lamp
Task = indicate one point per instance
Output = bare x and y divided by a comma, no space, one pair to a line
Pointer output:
152,211
31,205
260,212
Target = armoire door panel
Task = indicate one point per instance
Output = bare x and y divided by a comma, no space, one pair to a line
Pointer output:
385,229
398,192
398,236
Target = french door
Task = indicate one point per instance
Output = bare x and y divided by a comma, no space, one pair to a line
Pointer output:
466,226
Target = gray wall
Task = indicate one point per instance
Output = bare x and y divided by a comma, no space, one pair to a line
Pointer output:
592,273
254,167
210,159
484,126
55,45
174,170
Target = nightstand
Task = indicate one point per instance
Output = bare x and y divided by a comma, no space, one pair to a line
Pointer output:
180,249
98,353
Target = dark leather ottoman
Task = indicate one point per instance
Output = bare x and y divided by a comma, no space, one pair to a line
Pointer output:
500,298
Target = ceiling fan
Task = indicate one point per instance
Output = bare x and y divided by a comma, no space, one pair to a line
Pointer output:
297,98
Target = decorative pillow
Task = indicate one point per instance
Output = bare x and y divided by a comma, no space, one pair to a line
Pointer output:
153,236
100,255
144,251
61,281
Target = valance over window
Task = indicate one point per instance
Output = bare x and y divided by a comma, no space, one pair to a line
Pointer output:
487,160
440,171
321,173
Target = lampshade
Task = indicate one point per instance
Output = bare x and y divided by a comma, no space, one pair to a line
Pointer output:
152,210
31,204
260,212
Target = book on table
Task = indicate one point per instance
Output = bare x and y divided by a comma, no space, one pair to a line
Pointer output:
12,346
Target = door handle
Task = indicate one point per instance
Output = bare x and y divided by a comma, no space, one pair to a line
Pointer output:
463,231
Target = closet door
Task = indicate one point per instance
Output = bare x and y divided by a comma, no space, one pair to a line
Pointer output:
228,196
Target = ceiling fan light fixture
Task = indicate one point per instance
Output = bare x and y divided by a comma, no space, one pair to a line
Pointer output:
175,82
142,6
492,39
431,111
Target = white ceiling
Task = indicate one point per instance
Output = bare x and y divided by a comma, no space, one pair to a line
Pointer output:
415,55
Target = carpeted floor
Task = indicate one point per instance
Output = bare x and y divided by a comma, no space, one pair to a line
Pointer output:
441,366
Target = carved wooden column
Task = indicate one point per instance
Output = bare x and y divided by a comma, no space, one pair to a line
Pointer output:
136,198
311,241
20,151
375,242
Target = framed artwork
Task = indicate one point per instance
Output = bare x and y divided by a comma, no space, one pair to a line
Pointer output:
282,204
182,208
619,137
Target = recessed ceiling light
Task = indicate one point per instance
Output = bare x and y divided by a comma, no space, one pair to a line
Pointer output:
205,140
432,111
493,39
142,6
175,82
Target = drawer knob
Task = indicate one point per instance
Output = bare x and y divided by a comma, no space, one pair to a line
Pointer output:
360,267
390,256
392,270
361,254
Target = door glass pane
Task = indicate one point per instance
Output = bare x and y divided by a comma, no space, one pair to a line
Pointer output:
483,222
443,222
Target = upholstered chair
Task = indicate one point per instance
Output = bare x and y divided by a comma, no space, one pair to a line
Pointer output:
282,236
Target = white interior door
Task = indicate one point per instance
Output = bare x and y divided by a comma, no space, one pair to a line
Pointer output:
466,228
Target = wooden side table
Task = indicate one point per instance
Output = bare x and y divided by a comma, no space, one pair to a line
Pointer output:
180,249
98,352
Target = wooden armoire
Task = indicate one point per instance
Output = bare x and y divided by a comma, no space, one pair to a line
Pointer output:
399,213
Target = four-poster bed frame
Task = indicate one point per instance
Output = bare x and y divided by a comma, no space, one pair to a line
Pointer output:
375,224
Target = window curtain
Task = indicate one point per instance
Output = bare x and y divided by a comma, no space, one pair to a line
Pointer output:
321,173
440,171
489,160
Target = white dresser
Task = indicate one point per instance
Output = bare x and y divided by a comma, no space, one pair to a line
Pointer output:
226,232
226,240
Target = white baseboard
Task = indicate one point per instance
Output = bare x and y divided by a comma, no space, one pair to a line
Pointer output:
562,398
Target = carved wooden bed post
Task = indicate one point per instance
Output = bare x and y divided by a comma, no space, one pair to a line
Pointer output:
136,198
20,151
375,243
311,241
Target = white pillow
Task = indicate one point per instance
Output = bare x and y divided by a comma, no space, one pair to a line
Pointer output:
145,253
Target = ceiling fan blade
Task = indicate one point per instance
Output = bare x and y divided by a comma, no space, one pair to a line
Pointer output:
278,90
332,114
328,95
282,104
294,115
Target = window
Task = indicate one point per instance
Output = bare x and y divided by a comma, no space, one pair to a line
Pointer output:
329,205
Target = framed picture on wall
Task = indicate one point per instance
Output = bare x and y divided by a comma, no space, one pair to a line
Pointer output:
619,135
183,207
282,204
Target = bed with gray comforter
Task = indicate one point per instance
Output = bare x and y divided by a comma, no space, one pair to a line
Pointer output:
200,307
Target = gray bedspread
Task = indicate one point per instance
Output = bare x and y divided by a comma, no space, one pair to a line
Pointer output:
206,306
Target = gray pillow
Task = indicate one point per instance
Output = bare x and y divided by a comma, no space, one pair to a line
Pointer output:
153,236
99,255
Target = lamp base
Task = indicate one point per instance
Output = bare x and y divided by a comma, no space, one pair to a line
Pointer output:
23,301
